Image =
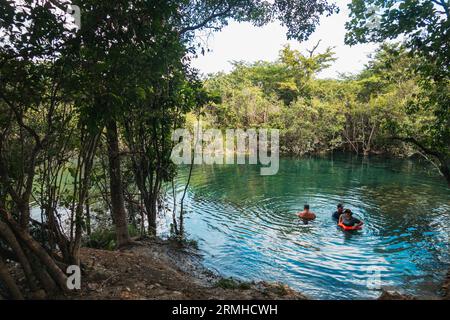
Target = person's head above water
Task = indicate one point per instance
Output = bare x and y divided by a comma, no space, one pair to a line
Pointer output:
340,207
348,212
306,214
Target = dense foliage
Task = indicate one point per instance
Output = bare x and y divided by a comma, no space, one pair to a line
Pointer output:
424,28
87,112
86,116
358,113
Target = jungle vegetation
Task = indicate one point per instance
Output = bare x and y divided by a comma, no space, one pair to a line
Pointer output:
86,113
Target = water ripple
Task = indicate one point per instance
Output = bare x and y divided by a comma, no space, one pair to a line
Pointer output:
246,225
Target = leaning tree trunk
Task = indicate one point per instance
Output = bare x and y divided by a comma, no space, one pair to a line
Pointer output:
444,162
38,251
43,275
7,235
9,282
116,186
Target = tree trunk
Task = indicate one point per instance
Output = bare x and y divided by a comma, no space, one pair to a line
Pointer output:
7,235
41,273
9,282
24,209
35,248
88,215
443,159
150,206
117,200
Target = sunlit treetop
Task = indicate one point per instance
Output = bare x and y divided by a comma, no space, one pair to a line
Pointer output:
422,25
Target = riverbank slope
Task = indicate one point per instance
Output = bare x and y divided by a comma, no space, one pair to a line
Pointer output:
159,269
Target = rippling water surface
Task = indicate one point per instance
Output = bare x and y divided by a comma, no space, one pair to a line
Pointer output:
246,225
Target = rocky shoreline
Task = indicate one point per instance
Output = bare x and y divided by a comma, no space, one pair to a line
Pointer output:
157,269
446,287
167,270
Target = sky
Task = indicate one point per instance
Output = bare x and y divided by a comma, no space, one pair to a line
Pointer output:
244,42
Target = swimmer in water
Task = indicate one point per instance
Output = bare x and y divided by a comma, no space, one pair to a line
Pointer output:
306,215
348,220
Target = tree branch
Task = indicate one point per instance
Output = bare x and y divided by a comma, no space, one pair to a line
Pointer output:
206,21
444,5
420,145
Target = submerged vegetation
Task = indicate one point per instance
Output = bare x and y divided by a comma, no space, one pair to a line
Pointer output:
87,112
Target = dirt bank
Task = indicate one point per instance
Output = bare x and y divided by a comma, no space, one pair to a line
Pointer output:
163,270
446,287
157,269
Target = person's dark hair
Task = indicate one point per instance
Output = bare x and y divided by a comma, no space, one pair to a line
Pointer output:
348,211
340,205
306,207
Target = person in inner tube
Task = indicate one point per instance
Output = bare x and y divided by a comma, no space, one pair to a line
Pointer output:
340,210
348,220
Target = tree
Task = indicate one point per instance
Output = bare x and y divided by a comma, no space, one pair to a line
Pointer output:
124,77
32,105
299,16
357,113
301,69
425,29
118,34
119,40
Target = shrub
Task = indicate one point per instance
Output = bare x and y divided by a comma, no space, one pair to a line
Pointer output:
106,238
230,283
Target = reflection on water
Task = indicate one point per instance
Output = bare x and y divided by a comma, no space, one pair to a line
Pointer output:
247,228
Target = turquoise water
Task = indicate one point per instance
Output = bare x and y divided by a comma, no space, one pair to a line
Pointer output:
246,226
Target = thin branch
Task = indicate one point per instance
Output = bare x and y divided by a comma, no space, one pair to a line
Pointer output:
420,145
207,20
444,5
311,52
